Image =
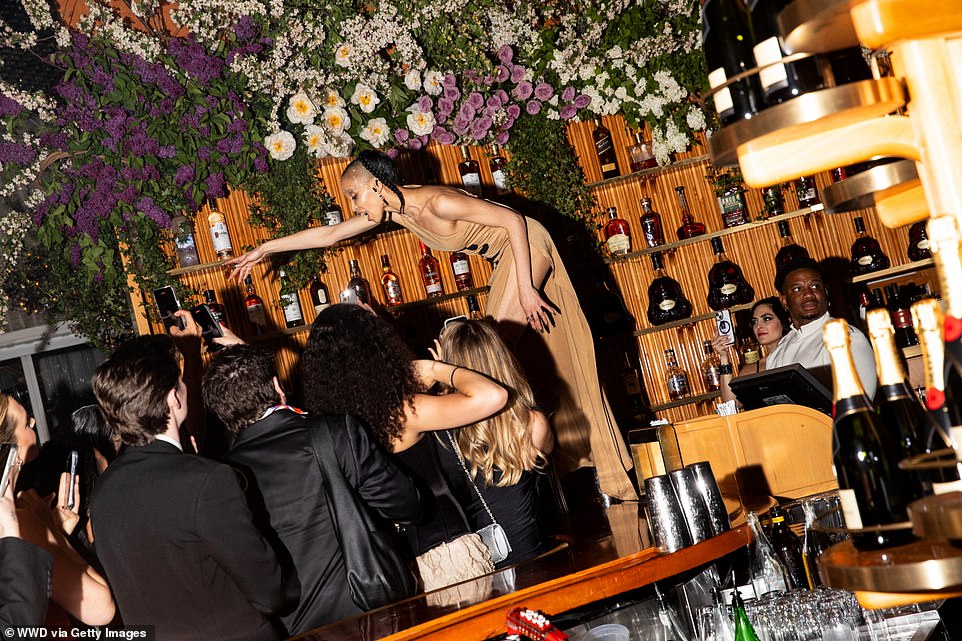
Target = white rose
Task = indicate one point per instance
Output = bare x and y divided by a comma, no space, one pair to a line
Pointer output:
376,132
412,80
333,99
316,141
340,146
336,120
421,122
433,83
301,109
365,98
342,55
280,145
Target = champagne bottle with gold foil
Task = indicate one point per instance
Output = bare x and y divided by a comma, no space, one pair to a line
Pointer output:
944,239
943,424
898,407
865,461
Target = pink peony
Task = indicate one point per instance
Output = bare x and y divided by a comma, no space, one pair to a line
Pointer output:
502,137
513,111
582,101
501,73
517,73
533,107
568,94
523,91
568,112
543,91
425,103
475,100
401,135
505,54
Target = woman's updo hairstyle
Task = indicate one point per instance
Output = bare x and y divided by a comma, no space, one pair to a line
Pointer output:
379,165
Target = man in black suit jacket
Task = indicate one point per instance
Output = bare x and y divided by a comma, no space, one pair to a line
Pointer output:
173,531
273,446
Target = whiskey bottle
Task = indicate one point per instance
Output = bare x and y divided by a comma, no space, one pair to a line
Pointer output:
605,150
734,209
470,172
184,242
461,267
391,283
749,351
218,231
918,242
255,308
320,296
865,460
790,252
774,202
497,163
711,368
639,153
617,233
689,226
727,286
867,254
675,377
291,304
666,301
216,309
474,309
651,224
430,270
362,289
727,46
807,192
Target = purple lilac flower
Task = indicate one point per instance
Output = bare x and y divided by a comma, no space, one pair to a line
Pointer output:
568,112
543,91
493,102
216,186
75,254
203,153
523,91
70,91
260,164
568,94
12,152
401,135
151,173
582,101
517,73
52,140
501,73
203,131
149,208
237,126
452,93
9,106
103,79
505,54
513,111
502,137
128,194
533,107
449,81
167,151
244,29
425,103
475,100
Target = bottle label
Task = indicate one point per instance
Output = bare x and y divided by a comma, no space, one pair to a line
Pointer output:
728,289
864,260
393,290
902,318
712,378
292,308
677,385
853,518
471,179
923,244
320,307
751,357
806,195
619,244
733,208
333,217
768,52
187,242
220,237
500,181
461,267
433,288
666,305
723,99
255,313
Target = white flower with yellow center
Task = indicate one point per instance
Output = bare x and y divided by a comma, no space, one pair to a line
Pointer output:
420,122
340,146
336,120
301,109
280,145
412,80
316,141
376,132
433,83
333,99
342,55
365,98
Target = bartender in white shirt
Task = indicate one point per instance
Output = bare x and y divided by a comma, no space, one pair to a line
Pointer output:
804,295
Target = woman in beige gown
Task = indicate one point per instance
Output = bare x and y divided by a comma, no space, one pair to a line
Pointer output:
529,287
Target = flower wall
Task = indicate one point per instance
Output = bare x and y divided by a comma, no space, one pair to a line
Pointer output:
161,106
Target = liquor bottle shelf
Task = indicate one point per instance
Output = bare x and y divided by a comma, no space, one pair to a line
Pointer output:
817,26
861,190
427,302
688,400
694,160
691,320
893,272
755,224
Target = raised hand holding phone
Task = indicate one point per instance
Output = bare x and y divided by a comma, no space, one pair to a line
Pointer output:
68,501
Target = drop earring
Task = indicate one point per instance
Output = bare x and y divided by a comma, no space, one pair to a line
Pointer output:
381,196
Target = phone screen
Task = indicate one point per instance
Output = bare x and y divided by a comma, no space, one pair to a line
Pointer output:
210,329
8,456
167,304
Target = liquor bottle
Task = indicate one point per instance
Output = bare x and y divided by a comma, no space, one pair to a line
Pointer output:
898,408
806,191
430,270
711,368
470,172
462,271
918,242
839,174
867,254
617,233
333,216
743,627
734,209
651,224
675,377
666,301
320,296
634,392
944,239
779,82
788,549
898,308
727,286
255,308
790,252
359,284
216,309
605,150
727,44
607,313
218,231
474,310
184,242
942,428
768,573
391,283
814,543
773,201
865,461
496,163
639,153
689,226
291,304
749,351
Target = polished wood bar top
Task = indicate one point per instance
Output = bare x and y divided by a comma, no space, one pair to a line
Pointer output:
568,576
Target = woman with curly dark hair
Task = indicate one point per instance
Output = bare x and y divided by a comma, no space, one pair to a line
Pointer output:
354,363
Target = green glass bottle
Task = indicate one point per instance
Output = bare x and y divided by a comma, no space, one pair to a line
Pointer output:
743,627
